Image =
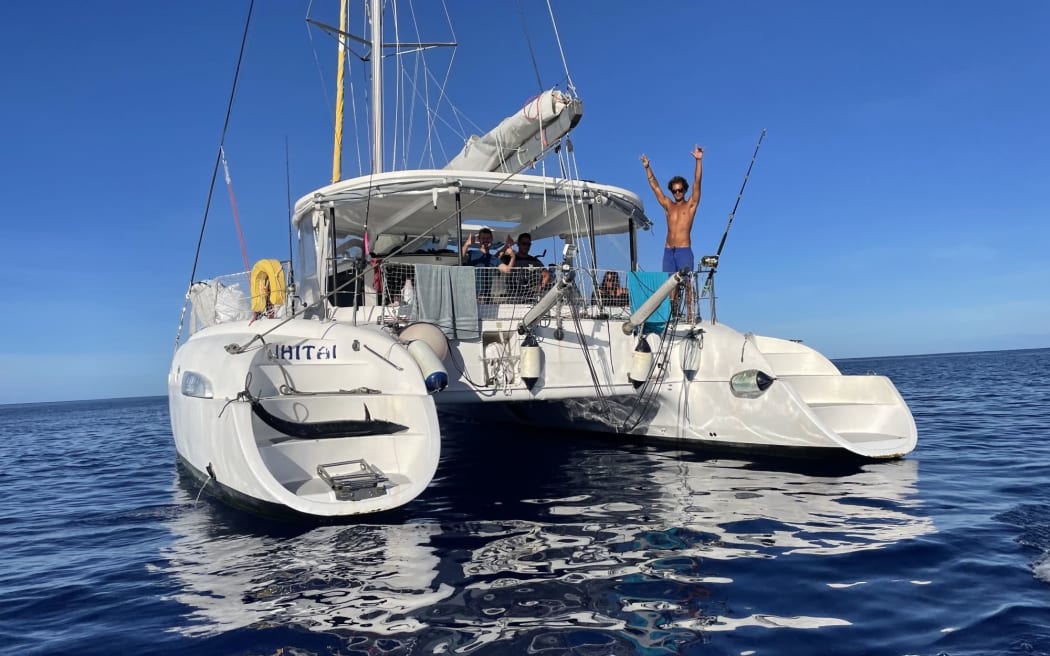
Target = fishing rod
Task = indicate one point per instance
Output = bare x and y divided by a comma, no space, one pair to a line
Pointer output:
712,260
732,214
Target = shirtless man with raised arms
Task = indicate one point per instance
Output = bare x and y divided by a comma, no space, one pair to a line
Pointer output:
678,251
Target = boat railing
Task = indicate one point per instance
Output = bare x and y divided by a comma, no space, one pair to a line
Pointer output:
704,284
230,298
498,294
504,295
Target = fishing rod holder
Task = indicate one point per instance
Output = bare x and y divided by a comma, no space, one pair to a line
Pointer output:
547,301
708,265
568,255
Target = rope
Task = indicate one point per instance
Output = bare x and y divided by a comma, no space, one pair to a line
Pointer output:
575,311
197,499
236,213
646,395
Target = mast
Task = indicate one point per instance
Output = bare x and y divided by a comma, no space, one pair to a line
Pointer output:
376,46
377,85
337,148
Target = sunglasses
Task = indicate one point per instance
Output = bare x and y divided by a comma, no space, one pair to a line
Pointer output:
678,190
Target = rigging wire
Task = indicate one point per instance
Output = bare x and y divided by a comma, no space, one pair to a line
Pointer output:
444,83
646,396
528,42
412,86
428,142
215,167
320,69
399,110
357,128
235,348
405,116
222,139
574,310
341,40
565,64
572,199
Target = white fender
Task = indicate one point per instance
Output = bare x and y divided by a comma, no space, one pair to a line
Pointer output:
691,355
434,375
430,334
641,362
530,362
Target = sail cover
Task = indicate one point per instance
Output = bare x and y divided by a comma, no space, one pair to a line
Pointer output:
521,138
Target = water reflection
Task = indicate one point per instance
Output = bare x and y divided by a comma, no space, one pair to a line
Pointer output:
753,512
663,558
371,578
639,558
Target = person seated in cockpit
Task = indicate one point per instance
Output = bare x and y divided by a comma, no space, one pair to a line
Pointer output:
483,257
610,293
530,276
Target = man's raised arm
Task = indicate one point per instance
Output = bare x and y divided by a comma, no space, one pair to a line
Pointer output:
698,153
660,197
466,247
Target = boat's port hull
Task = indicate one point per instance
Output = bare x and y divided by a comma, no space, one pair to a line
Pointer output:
254,463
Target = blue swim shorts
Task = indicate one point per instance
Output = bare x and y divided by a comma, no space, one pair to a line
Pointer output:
677,258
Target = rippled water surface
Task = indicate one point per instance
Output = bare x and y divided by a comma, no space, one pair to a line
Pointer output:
552,544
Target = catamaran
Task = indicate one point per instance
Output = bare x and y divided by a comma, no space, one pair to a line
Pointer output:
316,390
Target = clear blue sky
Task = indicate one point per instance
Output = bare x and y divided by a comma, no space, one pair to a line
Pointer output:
900,203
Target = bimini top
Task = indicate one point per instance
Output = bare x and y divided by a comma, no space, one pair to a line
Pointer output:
422,202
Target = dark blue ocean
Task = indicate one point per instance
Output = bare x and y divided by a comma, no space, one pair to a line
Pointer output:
551,544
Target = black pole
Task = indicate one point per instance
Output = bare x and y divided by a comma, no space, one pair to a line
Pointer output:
633,239
459,223
288,195
590,231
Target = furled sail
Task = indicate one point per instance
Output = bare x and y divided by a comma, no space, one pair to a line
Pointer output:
519,140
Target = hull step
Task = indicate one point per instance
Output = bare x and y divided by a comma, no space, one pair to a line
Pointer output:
354,480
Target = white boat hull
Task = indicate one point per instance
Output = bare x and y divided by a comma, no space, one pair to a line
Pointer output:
810,405
249,463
